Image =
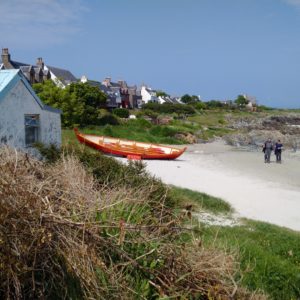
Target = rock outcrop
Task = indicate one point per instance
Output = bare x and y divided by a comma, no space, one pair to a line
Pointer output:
254,131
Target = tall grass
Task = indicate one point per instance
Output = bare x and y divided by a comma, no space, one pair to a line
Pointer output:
84,227
184,197
269,255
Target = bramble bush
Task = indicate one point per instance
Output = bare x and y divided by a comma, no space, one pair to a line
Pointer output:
121,112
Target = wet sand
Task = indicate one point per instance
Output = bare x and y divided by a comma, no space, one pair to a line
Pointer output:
259,191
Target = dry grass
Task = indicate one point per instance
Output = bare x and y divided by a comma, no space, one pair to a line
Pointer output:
64,235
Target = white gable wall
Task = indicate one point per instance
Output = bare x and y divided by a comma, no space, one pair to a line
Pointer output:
148,96
16,104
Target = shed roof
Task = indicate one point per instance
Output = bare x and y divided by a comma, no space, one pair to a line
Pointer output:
9,78
6,77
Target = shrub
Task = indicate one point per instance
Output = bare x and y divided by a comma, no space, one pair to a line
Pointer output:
121,112
50,153
169,108
108,119
147,112
200,105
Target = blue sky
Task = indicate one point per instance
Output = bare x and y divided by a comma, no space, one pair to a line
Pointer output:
213,48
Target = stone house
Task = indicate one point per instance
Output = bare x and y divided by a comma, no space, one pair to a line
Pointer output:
252,103
130,95
168,99
114,99
24,119
39,72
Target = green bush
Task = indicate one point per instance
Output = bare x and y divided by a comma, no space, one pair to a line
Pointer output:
169,108
108,120
80,103
199,105
121,112
147,112
50,153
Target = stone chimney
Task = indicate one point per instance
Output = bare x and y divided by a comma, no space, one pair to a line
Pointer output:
122,83
40,63
5,56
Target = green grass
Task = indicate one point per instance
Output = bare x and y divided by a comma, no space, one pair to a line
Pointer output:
183,197
209,118
138,130
269,255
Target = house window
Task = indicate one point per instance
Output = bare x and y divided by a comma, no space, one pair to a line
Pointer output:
32,128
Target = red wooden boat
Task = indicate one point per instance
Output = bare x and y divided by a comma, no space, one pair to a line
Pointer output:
127,148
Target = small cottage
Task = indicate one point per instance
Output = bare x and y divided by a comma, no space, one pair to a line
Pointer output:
24,119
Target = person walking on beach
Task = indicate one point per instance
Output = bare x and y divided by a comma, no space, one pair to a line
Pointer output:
278,149
267,149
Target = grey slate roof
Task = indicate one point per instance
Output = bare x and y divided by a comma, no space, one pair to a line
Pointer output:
115,84
111,97
15,64
64,75
150,91
25,68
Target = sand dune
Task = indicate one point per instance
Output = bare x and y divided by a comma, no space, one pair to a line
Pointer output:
265,192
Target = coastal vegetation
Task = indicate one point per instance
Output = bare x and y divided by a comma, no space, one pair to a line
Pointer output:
84,226
84,106
252,256
269,255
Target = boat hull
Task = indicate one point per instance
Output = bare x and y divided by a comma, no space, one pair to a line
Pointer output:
128,148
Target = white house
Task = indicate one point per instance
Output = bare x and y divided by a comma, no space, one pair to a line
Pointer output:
24,119
169,99
148,95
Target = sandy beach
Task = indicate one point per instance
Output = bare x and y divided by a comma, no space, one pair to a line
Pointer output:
259,191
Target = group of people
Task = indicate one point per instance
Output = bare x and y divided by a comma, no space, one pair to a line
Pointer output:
269,146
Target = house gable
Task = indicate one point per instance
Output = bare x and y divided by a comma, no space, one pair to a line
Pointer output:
9,78
21,105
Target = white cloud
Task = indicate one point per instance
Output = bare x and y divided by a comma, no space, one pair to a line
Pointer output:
293,2
26,22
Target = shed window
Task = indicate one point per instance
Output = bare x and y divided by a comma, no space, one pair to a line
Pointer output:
32,128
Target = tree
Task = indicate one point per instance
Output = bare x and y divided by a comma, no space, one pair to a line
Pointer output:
162,94
80,103
241,101
214,104
189,99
